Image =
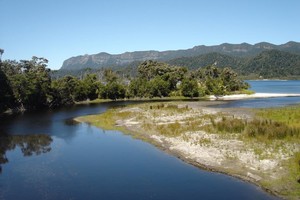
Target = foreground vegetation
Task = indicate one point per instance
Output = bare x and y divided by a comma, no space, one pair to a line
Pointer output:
28,85
261,145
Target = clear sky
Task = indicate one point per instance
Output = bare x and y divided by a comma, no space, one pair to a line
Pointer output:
59,29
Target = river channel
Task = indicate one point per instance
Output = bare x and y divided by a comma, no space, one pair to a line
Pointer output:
45,155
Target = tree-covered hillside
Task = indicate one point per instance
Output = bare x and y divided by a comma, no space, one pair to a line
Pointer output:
216,59
243,50
268,64
272,64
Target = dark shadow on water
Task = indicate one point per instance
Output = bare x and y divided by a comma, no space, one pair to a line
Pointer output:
29,144
71,122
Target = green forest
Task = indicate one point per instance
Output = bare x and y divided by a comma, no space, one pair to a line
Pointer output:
267,64
28,85
271,64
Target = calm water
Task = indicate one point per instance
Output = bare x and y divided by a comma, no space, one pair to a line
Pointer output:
289,87
44,155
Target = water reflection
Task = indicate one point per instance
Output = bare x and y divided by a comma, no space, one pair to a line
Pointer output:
29,145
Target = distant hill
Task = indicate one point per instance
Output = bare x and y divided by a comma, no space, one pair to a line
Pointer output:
267,64
217,59
273,64
237,51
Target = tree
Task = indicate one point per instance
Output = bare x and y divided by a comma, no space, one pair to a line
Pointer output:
6,94
147,70
215,87
157,76
38,76
189,88
138,88
68,90
1,52
115,90
92,86
174,76
158,87
30,82
110,76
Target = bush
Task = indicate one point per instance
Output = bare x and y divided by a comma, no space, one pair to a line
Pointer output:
270,129
230,125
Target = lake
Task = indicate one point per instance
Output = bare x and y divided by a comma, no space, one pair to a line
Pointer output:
45,155
268,86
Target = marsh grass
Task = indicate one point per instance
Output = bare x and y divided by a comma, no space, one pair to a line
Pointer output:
265,129
243,92
170,130
229,125
289,115
269,129
289,185
106,120
269,134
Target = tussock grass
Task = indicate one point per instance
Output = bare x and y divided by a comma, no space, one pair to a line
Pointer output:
229,125
243,92
106,120
271,130
269,134
289,115
256,128
289,185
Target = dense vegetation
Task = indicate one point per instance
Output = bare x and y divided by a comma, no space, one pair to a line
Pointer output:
195,62
268,64
28,84
119,61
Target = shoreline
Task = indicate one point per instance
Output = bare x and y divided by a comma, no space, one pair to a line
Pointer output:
166,148
208,151
251,96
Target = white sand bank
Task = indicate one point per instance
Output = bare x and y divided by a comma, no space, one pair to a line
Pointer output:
249,96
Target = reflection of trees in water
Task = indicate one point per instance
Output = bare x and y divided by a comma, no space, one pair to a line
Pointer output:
29,145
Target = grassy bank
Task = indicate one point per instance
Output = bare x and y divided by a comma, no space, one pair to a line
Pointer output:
262,147
271,132
170,98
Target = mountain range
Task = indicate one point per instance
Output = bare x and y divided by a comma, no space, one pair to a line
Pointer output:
232,53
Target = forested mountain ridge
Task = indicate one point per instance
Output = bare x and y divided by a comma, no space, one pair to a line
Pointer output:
216,59
234,50
272,64
267,64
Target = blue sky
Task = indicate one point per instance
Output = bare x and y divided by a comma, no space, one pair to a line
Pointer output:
59,29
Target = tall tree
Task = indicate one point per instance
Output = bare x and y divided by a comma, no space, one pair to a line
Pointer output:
6,93
189,88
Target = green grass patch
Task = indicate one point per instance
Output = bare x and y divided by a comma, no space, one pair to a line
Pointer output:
106,120
288,185
96,101
263,129
243,92
270,133
289,115
229,125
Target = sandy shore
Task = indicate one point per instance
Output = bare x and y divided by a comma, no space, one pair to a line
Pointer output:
251,96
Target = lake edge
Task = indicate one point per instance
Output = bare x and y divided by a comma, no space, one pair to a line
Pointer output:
164,146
